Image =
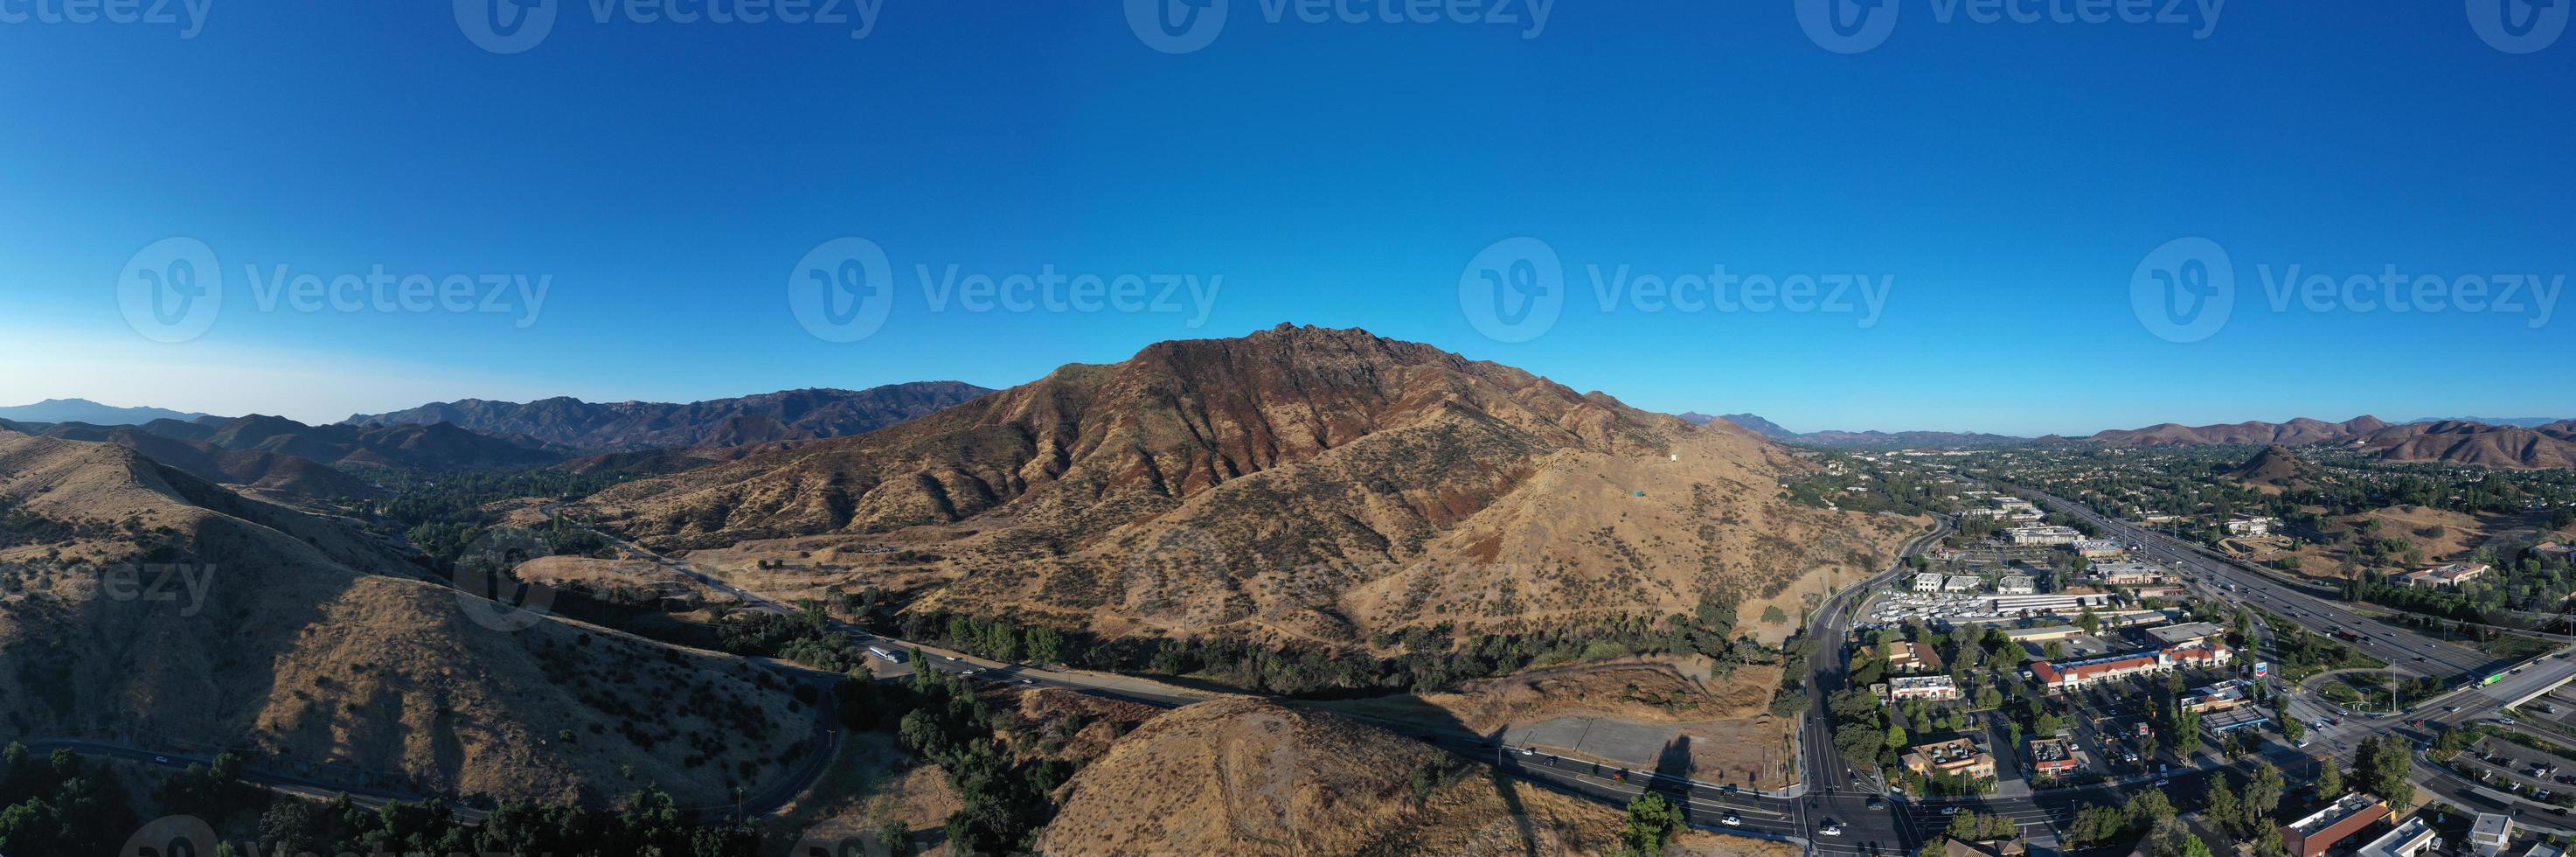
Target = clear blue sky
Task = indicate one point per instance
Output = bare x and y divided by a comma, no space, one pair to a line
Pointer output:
2008,178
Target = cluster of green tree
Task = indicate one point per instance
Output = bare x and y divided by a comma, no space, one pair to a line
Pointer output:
1653,821
1980,827
650,823
1006,802
2519,593
1862,733
444,516
2244,810
2380,766
1877,487
2300,653
60,805
806,637
2101,824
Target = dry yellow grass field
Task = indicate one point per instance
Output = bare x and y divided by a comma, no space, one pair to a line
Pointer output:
1242,777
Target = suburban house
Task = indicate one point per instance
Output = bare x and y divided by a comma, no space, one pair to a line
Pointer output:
2453,574
1957,757
1906,657
2248,526
2311,836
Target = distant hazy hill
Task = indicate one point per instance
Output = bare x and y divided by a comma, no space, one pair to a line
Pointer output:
629,426
294,637
2276,466
262,473
86,411
2518,422
2292,433
439,446
1298,483
1860,439
2552,445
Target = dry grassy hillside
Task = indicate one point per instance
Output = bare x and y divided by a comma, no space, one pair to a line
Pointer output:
1249,778
1295,484
300,640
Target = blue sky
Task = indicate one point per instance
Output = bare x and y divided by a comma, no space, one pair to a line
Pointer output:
2003,182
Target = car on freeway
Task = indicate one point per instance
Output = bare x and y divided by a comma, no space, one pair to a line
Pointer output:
1830,828
160,760
1876,803
1732,820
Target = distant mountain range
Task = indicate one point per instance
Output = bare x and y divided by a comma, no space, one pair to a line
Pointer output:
587,427
2521,422
93,413
2550,445
1858,439
282,457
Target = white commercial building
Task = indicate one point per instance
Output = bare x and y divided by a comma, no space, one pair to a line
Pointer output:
2409,839
2489,835
2044,535
1922,687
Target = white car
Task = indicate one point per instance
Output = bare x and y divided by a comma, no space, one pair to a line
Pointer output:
1830,829
1733,821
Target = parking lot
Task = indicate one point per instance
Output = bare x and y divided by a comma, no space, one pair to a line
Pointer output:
2522,771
